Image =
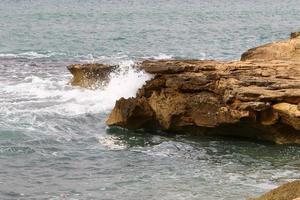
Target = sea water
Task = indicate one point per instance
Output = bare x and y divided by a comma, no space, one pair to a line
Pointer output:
54,143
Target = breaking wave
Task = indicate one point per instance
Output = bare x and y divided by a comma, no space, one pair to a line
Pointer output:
37,94
38,100
30,55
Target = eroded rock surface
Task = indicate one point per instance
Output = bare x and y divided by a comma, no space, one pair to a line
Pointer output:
289,191
217,98
257,97
90,75
282,50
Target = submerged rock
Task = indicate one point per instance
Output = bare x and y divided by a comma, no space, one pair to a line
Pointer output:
289,191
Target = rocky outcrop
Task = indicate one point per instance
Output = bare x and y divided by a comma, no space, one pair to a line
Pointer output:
282,50
90,75
257,97
289,191
241,98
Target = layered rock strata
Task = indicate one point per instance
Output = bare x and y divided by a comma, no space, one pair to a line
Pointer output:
256,97
242,98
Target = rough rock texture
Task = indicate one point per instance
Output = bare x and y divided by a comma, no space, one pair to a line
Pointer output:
138,113
89,75
282,50
289,191
255,99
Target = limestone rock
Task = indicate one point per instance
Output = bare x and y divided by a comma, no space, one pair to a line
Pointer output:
289,114
282,50
261,96
288,191
132,113
295,34
90,75
257,97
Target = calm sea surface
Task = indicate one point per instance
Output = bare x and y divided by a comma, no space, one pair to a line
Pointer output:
54,143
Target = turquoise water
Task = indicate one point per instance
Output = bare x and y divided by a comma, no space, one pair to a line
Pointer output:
54,143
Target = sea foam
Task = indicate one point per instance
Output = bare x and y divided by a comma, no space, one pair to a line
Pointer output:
37,94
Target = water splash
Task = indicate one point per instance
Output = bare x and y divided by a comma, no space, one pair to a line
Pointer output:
48,95
39,102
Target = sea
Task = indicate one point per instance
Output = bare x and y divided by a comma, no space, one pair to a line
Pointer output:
54,143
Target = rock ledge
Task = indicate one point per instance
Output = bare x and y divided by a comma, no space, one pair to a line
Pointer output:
257,97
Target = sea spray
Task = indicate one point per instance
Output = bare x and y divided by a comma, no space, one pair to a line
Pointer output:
54,143
38,94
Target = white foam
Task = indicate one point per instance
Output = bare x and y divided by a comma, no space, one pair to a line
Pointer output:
90,58
63,99
30,55
161,56
111,142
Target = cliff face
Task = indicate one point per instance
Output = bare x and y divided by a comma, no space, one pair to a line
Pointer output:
257,97
248,99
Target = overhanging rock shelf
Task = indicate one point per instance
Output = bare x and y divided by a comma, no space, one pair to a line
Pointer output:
257,97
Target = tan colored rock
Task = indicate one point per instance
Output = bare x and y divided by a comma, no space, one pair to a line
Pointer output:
288,191
90,75
289,114
258,97
132,113
268,117
295,35
282,50
223,98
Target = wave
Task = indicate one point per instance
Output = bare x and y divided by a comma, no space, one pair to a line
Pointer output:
116,59
162,56
42,102
48,94
88,58
30,55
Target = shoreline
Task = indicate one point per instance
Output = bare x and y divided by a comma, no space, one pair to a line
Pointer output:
256,97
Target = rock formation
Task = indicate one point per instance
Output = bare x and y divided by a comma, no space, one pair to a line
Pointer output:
241,98
90,75
257,97
282,50
289,191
